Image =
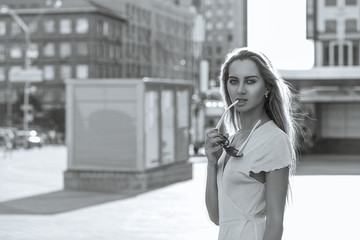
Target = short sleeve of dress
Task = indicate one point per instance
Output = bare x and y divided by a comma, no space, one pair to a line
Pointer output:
274,153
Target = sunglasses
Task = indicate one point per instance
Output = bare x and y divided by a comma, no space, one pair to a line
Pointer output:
230,149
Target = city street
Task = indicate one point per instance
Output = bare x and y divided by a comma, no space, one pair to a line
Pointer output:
34,206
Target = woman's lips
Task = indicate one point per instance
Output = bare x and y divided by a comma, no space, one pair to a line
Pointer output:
241,100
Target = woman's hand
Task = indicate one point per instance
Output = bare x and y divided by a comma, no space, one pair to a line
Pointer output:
214,143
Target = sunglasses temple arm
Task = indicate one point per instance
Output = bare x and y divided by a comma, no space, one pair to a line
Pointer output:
247,139
222,117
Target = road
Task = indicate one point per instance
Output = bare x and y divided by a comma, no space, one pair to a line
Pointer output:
34,206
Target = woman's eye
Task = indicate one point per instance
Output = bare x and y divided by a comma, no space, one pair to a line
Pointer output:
250,81
232,81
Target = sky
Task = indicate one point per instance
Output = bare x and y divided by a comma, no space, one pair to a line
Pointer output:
278,29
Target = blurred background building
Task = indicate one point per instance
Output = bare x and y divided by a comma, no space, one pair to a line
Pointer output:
226,28
172,39
330,91
49,41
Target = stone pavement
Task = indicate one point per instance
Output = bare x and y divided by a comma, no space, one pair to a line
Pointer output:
34,206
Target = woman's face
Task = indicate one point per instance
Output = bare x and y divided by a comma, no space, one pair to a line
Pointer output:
246,85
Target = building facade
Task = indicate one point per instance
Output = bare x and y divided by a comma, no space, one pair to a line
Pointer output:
330,90
334,26
226,28
89,39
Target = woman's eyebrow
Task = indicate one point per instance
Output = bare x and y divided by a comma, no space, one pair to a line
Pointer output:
251,76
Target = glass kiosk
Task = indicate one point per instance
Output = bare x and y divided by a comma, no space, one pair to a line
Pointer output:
127,134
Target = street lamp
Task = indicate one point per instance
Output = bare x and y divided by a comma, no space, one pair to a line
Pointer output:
4,9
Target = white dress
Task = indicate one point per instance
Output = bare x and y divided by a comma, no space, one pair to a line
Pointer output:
242,206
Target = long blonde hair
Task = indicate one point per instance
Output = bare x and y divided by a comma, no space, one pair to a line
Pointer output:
280,102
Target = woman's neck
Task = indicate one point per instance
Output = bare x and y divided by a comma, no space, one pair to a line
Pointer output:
248,120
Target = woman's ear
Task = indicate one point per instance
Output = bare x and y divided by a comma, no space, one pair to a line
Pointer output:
267,91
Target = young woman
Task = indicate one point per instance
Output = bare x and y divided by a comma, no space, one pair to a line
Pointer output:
248,172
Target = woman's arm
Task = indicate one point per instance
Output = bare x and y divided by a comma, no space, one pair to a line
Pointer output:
213,149
276,190
211,193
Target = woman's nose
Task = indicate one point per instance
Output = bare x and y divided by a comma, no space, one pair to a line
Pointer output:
241,89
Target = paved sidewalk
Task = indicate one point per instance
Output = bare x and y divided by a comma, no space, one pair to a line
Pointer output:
33,205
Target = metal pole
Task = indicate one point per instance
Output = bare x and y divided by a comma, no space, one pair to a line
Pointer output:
26,30
27,61
9,103
27,85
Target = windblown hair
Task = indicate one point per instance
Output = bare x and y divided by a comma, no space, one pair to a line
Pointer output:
280,102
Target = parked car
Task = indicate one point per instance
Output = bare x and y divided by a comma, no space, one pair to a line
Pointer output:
7,137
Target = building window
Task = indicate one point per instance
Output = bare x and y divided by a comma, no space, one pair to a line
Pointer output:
105,28
330,26
355,53
100,50
2,53
2,74
15,29
65,26
49,72
310,7
2,28
336,55
82,25
13,70
16,51
346,55
351,2
65,49
33,51
230,25
330,3
106,50
209,26
49,26
33,27
111,52
49,50
99,28
82,71
65,72
117,33
82,49
326,55
208,14
218,50
350,25
310,28
219,25
209,50
118,54
49,95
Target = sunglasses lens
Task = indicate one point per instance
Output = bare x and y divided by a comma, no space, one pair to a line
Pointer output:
229,149
232,151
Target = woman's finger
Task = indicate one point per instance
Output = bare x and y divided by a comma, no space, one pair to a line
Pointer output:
217,139
211,132
215,148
